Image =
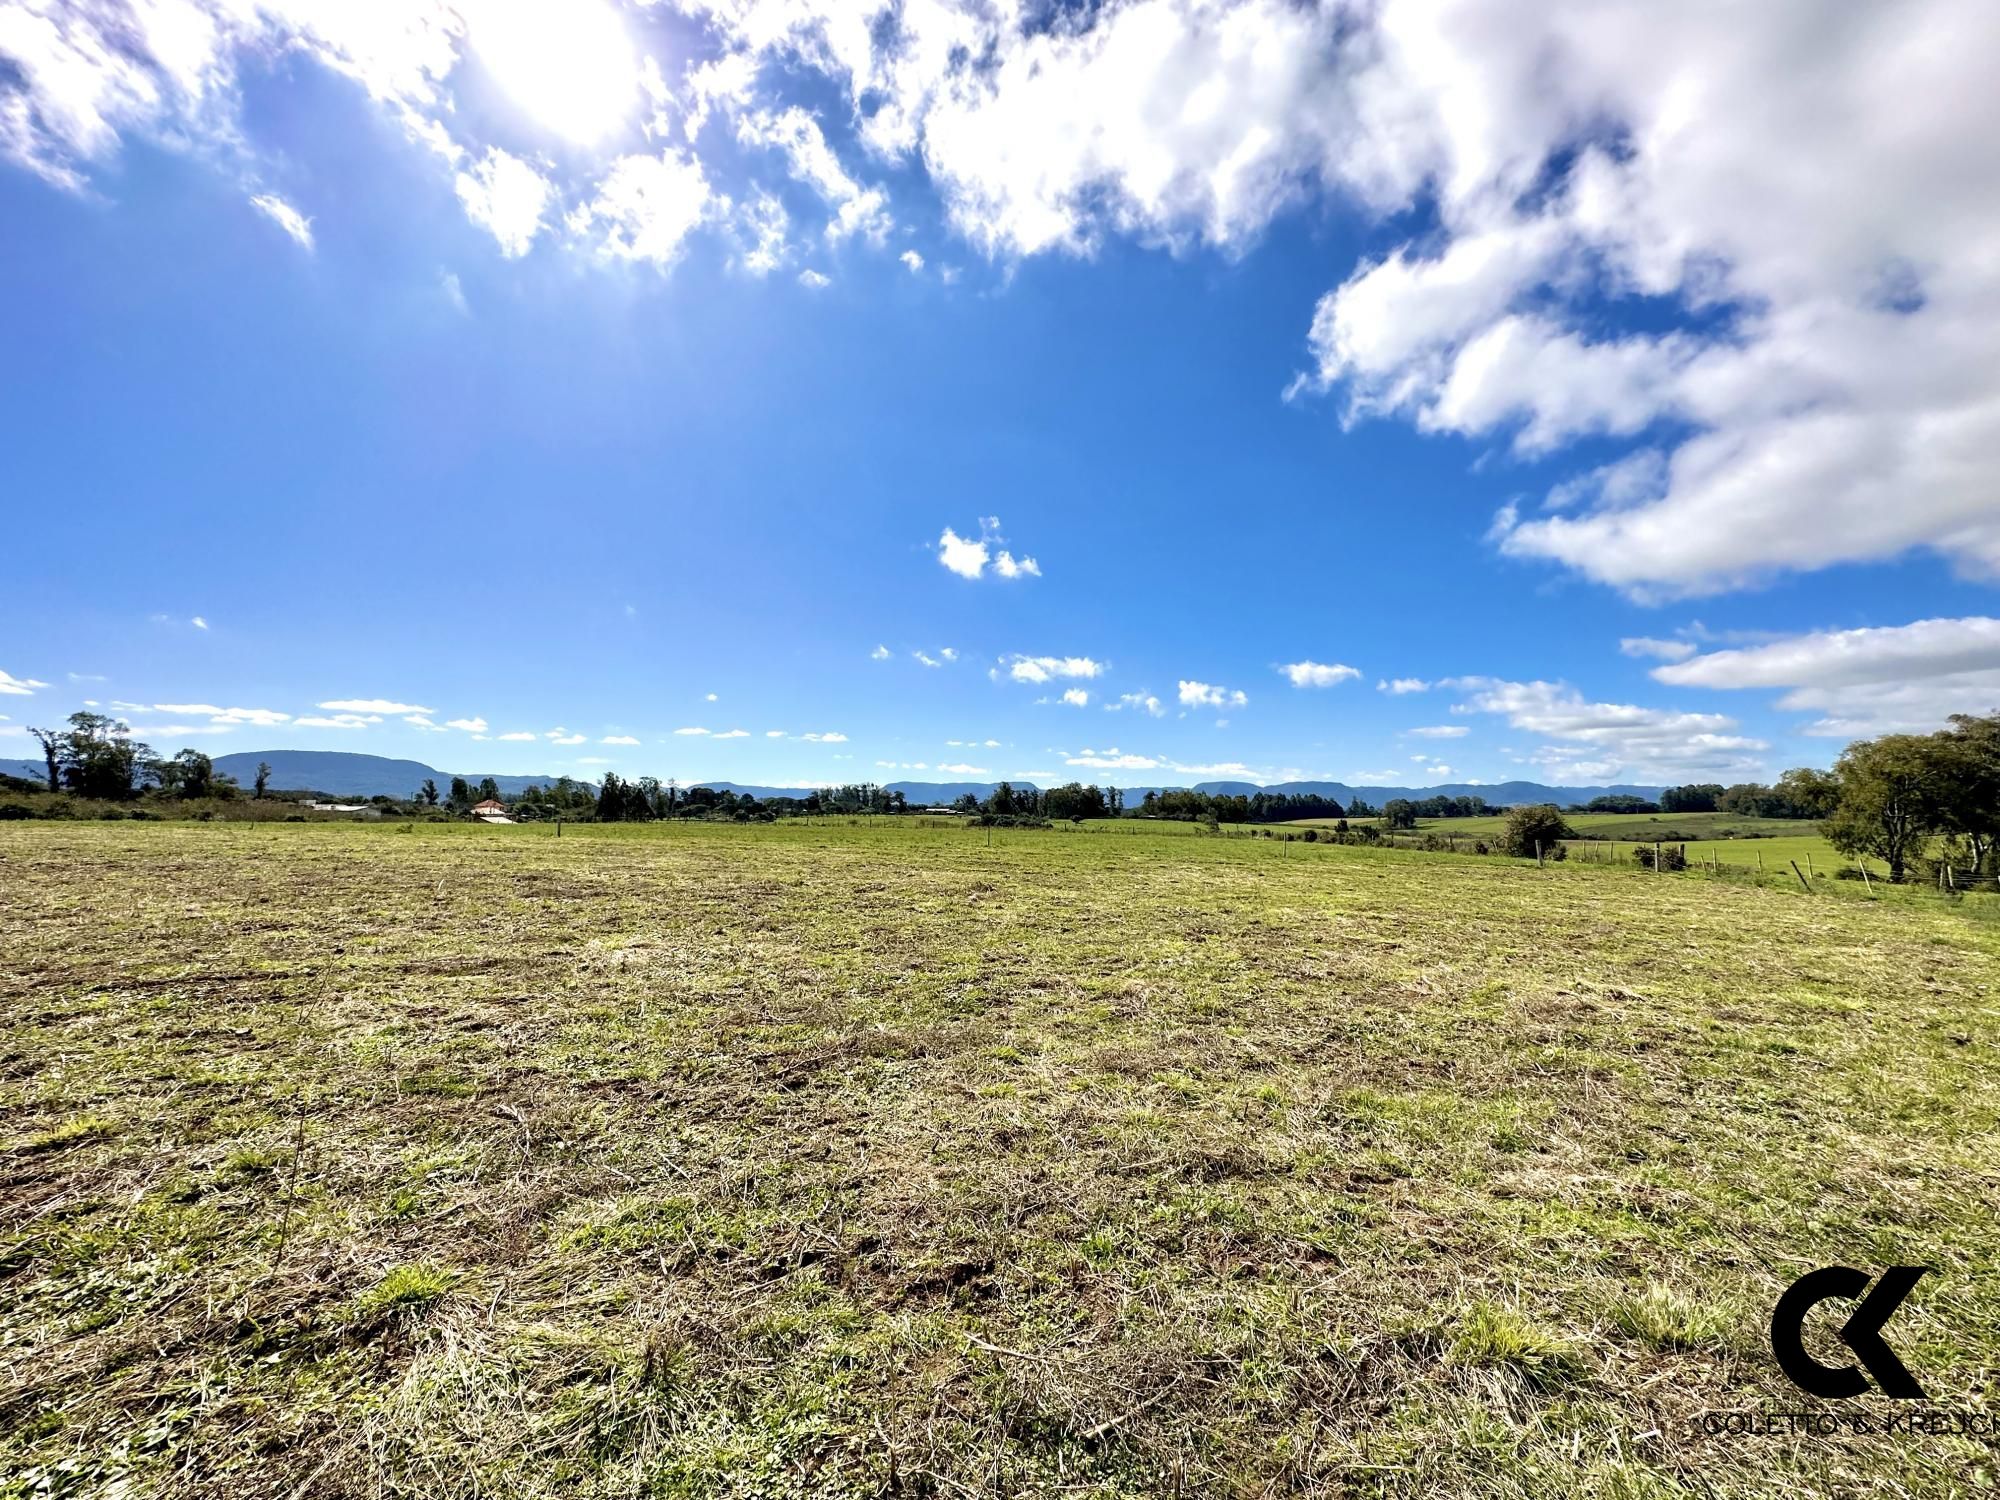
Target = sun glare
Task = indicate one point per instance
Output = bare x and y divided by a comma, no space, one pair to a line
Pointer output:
568,64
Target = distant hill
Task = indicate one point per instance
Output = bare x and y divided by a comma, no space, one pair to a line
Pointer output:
348,773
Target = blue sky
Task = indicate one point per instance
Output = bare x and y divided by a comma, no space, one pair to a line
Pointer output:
524,394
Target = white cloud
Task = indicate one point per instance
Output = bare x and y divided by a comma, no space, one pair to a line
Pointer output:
218,718
927,660
913,260
1402,685
774,734
422,722
1318,674
1205,695
470,726
1822,349
1008,566
969,558
1646,645
19,686
949,653
517,736
1143,702
1440,732
827,738
508,198
965,558
454,291
1043,668
336,721
198,622
375,706
813,281
1113,760
618,739
880,653
1867,681
1589,741
646,207
856,209
1076,697
287,218
733,734
767,224
691,729
557,737
957,769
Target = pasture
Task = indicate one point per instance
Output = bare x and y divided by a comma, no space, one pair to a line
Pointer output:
860,1159
1748,844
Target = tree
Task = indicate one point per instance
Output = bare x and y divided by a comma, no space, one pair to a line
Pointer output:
461,795
195,774
1890,799
611,799
263,782
1534,829
1399,812
99,758
489,790
1700,797
1969,794
1621,802
52,754
1809,793
428,793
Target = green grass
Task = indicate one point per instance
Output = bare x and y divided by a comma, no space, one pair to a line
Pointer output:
853,1158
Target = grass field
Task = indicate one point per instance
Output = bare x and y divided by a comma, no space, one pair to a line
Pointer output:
1746,843
832,1160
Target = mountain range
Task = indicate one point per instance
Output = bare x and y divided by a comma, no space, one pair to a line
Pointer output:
347,773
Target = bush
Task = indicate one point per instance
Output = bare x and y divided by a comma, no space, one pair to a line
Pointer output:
1528,827
1672,856
1312,835
9,811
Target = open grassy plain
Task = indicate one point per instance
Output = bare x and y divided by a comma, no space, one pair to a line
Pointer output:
831,1160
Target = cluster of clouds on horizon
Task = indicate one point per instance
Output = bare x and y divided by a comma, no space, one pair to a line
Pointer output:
1859,682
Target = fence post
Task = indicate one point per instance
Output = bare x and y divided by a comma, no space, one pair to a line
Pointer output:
1538,854
1658,868
1809,866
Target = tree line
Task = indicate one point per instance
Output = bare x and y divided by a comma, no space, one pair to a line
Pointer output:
1799,793
97,757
